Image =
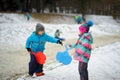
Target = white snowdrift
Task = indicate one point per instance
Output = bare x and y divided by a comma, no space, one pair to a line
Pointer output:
13,18
105,23
14,29
104,65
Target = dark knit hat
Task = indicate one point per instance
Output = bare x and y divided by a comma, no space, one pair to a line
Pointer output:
39,27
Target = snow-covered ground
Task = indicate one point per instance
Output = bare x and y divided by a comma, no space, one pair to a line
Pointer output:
14,29
105,23
104,65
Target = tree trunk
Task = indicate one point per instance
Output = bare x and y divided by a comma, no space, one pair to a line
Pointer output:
41,6
83,9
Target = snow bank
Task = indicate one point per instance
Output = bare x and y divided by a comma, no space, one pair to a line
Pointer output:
13,18
104,65
104,24
14,29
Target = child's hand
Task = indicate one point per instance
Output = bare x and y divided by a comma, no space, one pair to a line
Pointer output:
59,42
68,45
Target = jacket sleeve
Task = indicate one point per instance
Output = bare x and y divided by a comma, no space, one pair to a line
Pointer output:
28,41
75,45
51,39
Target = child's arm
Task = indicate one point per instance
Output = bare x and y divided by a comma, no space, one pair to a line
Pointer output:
51,39
72,45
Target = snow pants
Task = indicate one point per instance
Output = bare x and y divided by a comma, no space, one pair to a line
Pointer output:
83,72
34,67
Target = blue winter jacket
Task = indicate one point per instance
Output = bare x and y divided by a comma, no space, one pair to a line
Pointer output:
37,42
27,15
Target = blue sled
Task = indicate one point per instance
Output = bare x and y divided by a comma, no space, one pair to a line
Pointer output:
64,57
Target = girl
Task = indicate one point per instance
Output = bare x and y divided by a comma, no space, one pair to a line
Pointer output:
83,49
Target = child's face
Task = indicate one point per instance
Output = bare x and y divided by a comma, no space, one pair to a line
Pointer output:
40,32
81,33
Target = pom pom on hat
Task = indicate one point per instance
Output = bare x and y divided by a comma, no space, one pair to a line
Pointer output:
90,23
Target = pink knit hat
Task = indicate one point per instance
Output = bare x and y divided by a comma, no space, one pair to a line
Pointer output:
82,29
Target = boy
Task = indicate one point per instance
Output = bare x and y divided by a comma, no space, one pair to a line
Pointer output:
57,35
27,16
78,19
35,43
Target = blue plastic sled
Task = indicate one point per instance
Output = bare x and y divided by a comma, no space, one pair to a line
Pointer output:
64,57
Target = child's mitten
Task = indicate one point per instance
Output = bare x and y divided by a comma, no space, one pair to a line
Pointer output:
29,50
59,42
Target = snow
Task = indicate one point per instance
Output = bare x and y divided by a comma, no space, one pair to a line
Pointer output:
13,18
14,28
105,23
104,65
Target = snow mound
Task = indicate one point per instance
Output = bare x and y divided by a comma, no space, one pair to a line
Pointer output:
104,65
105,24
14,29
13,18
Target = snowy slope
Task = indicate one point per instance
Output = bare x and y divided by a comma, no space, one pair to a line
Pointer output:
13,18
104,65
105,23
14,29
